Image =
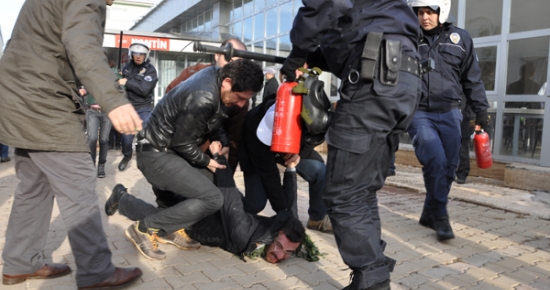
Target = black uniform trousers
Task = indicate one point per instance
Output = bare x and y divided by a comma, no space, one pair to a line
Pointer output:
362,137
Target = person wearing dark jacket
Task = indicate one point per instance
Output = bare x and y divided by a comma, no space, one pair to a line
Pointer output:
435,129
235,116
169,154
261,173
371,46
230,228
140,79
271,85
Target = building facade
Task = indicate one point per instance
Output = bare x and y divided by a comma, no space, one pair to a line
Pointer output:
512,39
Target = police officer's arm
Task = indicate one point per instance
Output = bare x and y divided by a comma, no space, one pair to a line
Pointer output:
144,84
82,37
310,24
472,86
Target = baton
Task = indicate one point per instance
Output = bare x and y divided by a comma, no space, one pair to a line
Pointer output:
120,52
229,52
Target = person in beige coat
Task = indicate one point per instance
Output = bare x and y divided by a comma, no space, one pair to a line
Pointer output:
55,42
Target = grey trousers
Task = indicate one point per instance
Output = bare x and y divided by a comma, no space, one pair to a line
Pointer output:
70,178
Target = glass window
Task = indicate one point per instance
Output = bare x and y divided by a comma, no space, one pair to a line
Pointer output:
271,2
237,29
483,18
527,66
271,46
259,47
284,45
286,17
453,16
259,26
248,7
247,29
271,18
522,129
529,15
259,5
297,5
237,12
487,57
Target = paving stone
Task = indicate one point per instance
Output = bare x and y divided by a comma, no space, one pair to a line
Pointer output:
256,277
414,281
290,283
225,283
462,280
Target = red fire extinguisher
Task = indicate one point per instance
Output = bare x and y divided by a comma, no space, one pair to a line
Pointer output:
482,148
287,125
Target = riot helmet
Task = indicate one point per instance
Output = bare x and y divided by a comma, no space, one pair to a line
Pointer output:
139,47
444,7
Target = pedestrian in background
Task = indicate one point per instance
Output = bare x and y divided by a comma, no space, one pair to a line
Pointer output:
55,42
98,126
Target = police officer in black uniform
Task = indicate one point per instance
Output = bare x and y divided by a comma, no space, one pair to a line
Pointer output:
371,46
140,79
435,129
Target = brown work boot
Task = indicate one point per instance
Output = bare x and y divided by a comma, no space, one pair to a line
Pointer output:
181,240
323,225
120,277
146,243
46,272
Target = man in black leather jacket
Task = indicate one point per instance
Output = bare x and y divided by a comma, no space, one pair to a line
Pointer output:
169,154
230,228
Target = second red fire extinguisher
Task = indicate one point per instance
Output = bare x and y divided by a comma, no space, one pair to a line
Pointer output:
482,148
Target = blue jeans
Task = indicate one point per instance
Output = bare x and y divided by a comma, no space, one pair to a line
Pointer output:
313,171
4,150
98,125
436,139
127,140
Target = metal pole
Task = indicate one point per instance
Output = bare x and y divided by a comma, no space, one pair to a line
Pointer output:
229,52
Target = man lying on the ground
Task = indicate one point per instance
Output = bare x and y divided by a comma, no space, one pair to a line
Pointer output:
275,238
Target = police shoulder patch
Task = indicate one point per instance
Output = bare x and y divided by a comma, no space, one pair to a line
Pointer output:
148,78
455,38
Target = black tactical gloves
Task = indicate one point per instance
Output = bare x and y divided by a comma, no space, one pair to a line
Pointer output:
294,60
482,119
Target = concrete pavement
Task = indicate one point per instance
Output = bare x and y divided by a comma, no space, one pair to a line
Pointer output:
502,242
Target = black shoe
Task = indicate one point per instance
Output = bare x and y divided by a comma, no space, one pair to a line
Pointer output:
461,180
111,205
124,163
443,228
5,159
101,170
426,219
391,173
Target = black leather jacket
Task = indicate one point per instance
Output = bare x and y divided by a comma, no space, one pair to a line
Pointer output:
184,116
233,229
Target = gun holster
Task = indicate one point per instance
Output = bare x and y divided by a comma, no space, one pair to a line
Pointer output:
390,62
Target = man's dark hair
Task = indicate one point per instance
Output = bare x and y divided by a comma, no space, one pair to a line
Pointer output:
245,74
294,230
